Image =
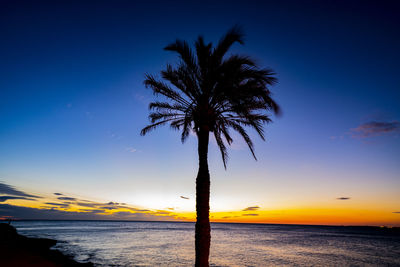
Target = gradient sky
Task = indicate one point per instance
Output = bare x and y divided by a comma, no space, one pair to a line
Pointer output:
72,104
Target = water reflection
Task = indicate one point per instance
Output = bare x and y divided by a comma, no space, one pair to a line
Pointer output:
153,243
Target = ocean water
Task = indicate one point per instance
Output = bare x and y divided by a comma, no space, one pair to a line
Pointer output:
108,243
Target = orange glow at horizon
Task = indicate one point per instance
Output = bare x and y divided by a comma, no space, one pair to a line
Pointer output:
328,215
305,216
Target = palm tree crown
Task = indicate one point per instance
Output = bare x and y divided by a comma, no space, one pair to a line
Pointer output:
213,91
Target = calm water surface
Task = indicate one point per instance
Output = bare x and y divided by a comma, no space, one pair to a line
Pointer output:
172,244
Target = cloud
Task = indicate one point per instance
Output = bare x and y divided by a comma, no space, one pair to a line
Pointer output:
85,200
343,198
57,204
10,190
161,212
109,208
95,211
18,212
87,210
67,198
398,212
90,205
131,149
5,198
250,214
123,213
375,128
251,208
184,197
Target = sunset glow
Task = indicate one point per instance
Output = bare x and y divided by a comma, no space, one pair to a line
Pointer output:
72,104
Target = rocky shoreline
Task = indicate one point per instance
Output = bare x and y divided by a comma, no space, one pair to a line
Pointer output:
20,251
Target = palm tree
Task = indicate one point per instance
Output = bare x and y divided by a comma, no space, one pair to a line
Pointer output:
211,92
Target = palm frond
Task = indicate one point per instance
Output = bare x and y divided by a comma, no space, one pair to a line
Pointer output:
156,116
245,136
222,147
235,34
185,52
151,127
167,106
210,91
182,80
159,87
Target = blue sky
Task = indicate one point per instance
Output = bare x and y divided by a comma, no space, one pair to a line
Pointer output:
72,101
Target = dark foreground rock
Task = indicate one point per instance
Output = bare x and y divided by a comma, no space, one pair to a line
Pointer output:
17,250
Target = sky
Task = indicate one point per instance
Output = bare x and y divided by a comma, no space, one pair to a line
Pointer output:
72,104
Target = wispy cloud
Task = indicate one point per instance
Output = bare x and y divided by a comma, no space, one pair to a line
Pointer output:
398,212
375,128
228,217
57,211
161,212
67,198
343,198
131,149
251,208
5,198
86,204
250,214
10,190
62,206
109,208
18,212
65,205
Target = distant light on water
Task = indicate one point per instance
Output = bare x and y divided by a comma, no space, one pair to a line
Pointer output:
172,244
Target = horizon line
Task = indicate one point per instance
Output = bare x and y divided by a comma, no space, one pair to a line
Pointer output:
288,224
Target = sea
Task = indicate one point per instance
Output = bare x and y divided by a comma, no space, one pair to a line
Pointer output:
122,243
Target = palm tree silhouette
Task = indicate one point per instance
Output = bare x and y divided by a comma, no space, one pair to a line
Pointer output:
210,92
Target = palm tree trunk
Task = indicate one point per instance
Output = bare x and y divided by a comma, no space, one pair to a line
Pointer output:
203,235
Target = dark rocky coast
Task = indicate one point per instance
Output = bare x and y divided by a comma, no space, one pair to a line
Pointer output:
20,251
